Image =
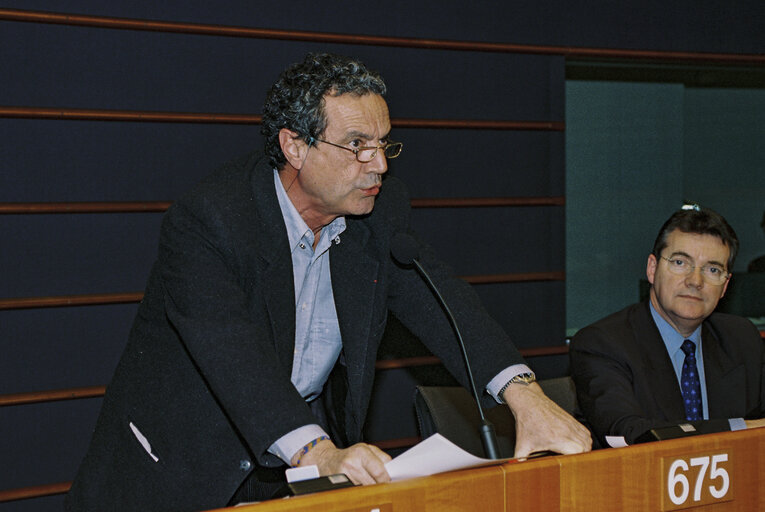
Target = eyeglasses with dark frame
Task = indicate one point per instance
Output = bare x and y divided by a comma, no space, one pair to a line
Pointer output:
366,154
682,266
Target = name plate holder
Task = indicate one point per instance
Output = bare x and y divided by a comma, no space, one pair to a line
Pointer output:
696,480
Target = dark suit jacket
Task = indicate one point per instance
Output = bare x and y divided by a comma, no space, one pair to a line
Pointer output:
626,384
205,376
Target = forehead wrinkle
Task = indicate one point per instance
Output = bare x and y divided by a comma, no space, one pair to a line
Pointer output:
357,116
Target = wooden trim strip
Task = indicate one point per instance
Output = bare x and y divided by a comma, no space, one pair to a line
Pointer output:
555,350
81,114
84,114
407,362
480,202
55,395
37,491
524,277
477,124
161,206
359,39
86,207
391,444
97,299
382,364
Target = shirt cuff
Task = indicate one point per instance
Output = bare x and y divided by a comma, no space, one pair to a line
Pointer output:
497,383
737,423
291,443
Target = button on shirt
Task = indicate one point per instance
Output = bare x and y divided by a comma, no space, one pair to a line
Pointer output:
317,331
673,340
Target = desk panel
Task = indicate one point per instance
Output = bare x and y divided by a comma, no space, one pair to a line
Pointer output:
480,489
640,478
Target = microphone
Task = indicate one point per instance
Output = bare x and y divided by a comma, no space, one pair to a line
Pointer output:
405,251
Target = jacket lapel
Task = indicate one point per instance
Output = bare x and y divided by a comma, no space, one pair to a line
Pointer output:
659,372
272,252
354,278
725,378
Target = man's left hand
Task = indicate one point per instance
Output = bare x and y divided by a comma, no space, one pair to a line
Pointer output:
541,425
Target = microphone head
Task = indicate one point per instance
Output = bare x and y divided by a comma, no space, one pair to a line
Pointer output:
404,249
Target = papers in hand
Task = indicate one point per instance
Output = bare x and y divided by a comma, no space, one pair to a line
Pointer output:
435,454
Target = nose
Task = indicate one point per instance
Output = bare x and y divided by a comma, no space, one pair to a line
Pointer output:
379,164
695,278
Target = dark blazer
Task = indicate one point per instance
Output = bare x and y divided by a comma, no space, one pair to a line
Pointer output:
205,376
626,384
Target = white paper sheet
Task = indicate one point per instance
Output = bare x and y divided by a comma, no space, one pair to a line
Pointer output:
435,454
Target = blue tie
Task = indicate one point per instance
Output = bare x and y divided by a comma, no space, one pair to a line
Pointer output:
690,384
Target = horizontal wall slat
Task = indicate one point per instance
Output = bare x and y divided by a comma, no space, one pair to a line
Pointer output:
475,202
86,207
19,208
520,277
392,444
98,299
56,395
40,491
37,491
360,39
84,114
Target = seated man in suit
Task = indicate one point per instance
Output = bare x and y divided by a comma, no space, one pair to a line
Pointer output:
672,359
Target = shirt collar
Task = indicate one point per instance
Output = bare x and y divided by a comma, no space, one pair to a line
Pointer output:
297,230
672,339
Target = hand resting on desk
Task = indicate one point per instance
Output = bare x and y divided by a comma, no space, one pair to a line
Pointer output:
363,463
541,425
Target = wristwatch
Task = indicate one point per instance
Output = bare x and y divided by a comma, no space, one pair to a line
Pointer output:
524,379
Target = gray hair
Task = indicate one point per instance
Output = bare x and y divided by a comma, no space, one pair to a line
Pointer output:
296,100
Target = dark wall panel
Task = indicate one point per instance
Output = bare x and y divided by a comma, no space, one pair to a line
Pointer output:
683,25
480,163
43,451
57,348
91,68
494,240
53,160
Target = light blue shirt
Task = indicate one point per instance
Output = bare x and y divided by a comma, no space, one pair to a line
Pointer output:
673,340
317,331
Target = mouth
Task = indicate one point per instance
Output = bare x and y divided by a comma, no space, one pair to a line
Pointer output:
692,297
371,191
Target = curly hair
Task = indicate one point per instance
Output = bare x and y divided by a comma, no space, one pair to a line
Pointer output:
296,100
700,221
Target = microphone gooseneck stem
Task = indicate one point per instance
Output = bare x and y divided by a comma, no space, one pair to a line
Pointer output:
488,434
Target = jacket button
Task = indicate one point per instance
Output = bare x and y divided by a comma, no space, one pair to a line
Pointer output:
245,465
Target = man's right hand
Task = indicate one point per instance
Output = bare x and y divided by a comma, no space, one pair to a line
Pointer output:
363,463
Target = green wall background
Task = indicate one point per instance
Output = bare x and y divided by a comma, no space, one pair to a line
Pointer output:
634,152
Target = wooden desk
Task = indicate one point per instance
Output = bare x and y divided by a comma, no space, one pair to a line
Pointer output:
636,478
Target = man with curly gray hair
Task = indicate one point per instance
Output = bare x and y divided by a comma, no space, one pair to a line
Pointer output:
254,347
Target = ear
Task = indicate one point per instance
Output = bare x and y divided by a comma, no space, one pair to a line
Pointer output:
293,147
650,268
725,286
